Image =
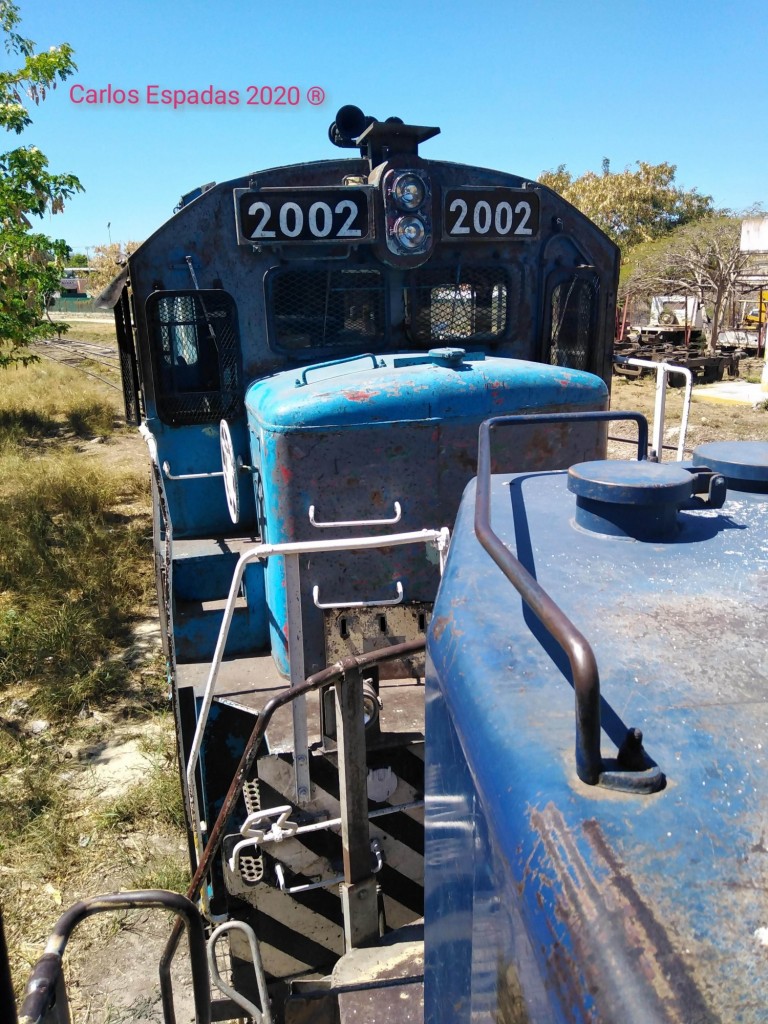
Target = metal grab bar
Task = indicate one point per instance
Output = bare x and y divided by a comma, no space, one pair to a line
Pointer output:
240,465
586,679
326,883
357,522
663,370
46,979
302,381
188,476
378,603
263,1016
335,673
162,541
299,830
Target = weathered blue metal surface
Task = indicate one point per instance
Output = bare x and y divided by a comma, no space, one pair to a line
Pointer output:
587,905
199,507
412,388
354,437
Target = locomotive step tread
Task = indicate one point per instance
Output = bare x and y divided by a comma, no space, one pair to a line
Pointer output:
373,984
197,622
248,682
187,608
205,547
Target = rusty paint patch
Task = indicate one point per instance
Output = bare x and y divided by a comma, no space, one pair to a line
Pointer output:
360,396
439,626
610,944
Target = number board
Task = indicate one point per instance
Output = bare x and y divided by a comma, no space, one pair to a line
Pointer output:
334,214
492,214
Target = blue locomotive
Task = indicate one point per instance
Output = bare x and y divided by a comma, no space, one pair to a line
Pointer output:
310,352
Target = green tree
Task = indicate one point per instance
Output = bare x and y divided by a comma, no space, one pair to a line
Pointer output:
631,206
702,259
78,259
30,261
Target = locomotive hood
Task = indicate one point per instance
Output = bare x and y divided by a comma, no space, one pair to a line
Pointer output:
442,384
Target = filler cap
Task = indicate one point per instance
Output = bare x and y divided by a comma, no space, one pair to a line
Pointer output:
744,464
629,499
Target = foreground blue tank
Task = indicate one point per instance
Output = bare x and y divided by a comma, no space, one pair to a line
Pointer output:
576,902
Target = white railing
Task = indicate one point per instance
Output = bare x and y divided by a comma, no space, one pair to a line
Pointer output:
440,539
162,542
663,372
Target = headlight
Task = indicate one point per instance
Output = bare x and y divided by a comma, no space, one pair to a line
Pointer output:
410,232
408,191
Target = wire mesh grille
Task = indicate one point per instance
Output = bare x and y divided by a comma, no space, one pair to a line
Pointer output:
327,308
197,356
572,309
458,304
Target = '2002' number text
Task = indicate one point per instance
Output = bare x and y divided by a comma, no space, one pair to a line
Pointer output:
320,220
488,214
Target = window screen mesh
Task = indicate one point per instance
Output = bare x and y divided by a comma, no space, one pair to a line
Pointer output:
327,308
572,318
196,355
458,304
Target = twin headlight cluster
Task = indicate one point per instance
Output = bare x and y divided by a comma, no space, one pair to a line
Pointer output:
408,211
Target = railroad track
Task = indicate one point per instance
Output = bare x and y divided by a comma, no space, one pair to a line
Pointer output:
76,353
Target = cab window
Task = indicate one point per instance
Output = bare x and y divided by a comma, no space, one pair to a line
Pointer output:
459,304
195,355
572,319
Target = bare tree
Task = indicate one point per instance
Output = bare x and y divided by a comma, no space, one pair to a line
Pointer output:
703,259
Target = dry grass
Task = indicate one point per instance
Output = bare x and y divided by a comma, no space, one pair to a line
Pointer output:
75,573
51,400
708,421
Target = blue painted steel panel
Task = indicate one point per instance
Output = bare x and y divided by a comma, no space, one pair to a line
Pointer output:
355,436
588,904
198,508
411,388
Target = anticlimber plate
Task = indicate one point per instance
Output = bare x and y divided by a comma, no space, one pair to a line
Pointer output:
353,631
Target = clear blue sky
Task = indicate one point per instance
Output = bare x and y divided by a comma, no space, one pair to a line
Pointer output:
518,86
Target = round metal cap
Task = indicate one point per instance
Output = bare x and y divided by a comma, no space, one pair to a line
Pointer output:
637,500
447,354
740,462
630,483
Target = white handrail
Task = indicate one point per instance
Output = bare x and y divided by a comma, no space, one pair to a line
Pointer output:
357,522
663,371
161,523
380,603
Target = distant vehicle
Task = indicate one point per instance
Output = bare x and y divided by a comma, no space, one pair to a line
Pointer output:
674,318
757,314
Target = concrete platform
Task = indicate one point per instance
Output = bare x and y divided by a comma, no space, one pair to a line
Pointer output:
738,391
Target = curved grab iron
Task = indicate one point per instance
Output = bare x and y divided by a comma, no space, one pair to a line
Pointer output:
586,678
45,981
